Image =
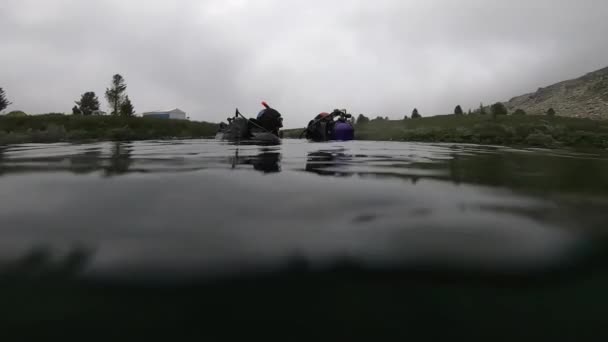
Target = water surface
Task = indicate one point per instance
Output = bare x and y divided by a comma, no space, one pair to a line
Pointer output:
172,209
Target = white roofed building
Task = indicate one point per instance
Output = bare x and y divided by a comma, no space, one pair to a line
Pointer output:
175,114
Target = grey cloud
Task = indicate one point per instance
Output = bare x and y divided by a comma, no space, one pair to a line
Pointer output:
379,57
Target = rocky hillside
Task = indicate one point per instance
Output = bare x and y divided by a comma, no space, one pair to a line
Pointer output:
585,97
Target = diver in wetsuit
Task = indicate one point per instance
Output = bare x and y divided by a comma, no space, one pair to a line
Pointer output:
326,126
270,119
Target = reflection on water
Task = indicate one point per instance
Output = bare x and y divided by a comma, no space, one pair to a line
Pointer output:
329,163
41,262
547,171
121,160
92,159
267,161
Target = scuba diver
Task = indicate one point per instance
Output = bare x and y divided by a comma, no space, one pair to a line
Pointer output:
270,119
265,128
334,126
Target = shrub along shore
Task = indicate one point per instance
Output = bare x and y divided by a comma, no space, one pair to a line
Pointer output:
510,130
50,128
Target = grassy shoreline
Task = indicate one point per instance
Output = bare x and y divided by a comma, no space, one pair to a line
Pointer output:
51,128
528,130
524,130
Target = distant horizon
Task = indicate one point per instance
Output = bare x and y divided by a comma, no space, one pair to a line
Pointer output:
370,115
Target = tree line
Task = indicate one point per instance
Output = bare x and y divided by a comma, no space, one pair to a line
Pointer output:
121,105
499,108
116,95
495,110
118,100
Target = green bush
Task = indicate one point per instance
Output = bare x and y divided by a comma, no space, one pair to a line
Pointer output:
519,112
121,134
52,133
583,138
499,109
80,135
492,132
540,140
16,113
13,138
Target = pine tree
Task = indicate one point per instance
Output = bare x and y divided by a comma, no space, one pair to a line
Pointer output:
88,103
551,112
115,94
482,109
126,108
4,102
415,114
458,110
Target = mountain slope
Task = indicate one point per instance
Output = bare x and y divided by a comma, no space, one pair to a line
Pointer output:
585,97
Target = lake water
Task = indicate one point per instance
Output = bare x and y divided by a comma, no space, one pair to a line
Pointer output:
178,207
477,225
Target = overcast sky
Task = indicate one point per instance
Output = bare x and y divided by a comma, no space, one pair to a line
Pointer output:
380,57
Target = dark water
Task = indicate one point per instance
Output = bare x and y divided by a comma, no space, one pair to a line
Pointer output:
162,212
